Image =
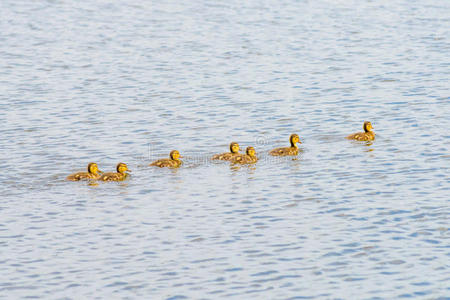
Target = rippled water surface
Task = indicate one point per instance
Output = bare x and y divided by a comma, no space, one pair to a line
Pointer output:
106,81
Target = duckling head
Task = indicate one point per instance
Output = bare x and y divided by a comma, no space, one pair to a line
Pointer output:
93,168
234,147
367,126
121,168
251,151
175,155
294,139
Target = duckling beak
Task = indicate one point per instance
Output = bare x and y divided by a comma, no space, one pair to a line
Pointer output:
98,171
128,170
180,156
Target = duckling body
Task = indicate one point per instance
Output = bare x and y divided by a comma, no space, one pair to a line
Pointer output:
92,173
234,152
285,151
248,158
226,156
367,135
116,176
172,162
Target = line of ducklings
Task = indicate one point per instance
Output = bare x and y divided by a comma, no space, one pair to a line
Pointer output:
93,173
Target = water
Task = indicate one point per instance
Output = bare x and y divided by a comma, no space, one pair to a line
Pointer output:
110,82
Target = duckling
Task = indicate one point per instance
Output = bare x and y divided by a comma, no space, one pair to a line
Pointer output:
234,152
292,150
248,158
367,135
172,162
119,176
92,173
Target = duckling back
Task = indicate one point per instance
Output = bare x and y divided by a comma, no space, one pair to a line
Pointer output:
244,159
166,162
82,176
362,136
226,156
112,176
284,151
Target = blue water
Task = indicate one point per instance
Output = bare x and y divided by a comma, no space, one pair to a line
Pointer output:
114,82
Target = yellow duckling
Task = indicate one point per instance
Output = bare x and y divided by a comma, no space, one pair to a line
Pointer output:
92,173
172,162
248,158
367,135
234,152
292,150
119,176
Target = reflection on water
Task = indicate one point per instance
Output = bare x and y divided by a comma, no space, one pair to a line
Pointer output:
104,82
249,168
368,149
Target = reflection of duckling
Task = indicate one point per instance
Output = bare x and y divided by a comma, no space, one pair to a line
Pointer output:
248,158
367,135
92,173
234,151
172,162
292,150
119,176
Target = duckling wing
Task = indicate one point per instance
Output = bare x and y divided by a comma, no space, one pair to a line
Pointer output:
72,177
248,160
162,163
110,177
77,176
244,159
370,136
224,156
278,152
216,156
237,159
157,163
355,136
361,136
